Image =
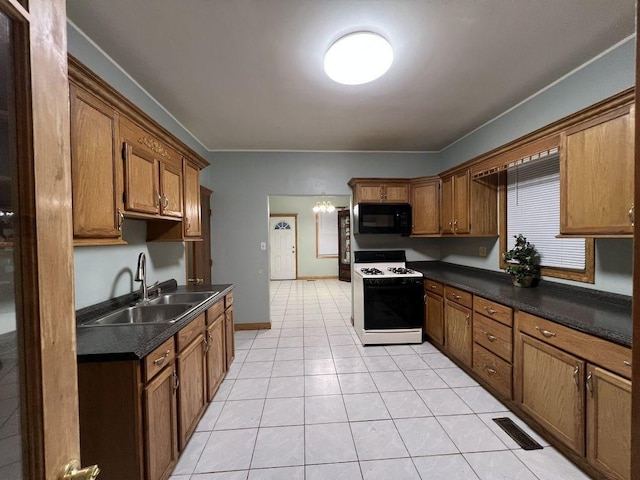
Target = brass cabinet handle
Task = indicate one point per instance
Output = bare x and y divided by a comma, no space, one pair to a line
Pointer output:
451,226
467,318
490,337
627,363
206,345
489,310
544,332
158,198
120,219
457,297
176,381
576,371
632,215
188,224
160,361
165,201
434,287
72,471
589,384
455,226
490,371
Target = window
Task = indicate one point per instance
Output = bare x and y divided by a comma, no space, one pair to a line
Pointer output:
532,204
327,234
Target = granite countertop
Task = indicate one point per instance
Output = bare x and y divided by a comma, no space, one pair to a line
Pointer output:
107,343
605,315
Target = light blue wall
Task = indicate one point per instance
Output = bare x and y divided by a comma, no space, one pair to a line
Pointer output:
242,183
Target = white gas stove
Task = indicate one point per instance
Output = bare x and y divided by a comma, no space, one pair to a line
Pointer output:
388,298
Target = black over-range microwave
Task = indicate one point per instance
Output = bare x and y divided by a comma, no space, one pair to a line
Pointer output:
382,218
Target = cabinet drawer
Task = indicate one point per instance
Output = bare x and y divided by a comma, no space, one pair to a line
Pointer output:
214,312
495,371
434,287
158,359
496,311
191,331
493,336
459,296
601,352
228,300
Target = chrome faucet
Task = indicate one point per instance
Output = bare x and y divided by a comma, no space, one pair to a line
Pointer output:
141,276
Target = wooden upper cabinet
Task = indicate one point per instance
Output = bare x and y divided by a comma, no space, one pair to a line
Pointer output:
96,171
425,206
142,176
379,190
192,215
596,175
454,217
171,191
469,207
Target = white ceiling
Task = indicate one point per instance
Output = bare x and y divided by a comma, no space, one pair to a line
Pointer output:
247,74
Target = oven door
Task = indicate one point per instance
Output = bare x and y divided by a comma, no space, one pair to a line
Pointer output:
393,303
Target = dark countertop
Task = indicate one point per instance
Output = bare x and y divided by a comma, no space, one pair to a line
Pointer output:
605,315
107,343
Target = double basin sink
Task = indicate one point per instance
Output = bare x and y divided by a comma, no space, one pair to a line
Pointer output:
165,308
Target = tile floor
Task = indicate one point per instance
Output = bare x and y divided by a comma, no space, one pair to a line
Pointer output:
305,400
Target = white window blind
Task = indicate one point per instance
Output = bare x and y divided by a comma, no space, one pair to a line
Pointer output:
533,209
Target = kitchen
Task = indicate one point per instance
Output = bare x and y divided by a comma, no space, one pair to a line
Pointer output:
327,173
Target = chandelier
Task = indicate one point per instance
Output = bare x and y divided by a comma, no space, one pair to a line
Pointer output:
324,207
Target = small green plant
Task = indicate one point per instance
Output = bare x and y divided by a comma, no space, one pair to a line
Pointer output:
522,259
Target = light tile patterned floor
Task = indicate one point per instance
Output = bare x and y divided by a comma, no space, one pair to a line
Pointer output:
305,400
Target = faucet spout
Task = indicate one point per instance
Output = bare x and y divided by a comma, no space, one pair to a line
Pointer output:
141,276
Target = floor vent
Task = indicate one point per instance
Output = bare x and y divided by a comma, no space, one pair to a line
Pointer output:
518,435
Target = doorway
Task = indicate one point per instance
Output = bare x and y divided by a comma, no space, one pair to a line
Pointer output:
283,238
198,253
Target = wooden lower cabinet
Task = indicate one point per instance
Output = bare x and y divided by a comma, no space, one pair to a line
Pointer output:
192,395
458,334
608,422
229,342
216,355
551,389
434,318
160,424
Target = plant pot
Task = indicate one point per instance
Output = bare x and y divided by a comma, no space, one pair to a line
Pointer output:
525,282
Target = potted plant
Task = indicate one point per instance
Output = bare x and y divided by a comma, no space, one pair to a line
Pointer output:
523,262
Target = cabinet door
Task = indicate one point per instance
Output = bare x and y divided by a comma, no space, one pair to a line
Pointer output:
425,207
191,392
596,172
96,171
396,193
229,336
216,356
160,425
446,206
369,193
141,174
192,221
551,389
434,318
461,185
609,422
171,181
458,333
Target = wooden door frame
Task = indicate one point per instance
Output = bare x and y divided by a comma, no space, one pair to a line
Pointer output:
192,246
295,215
635,374
45,305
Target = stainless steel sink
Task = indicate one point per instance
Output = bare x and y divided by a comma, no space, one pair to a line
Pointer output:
190,297
144,314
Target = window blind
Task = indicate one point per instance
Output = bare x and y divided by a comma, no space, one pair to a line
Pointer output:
533,209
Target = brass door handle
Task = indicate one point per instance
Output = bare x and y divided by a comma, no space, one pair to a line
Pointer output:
72,471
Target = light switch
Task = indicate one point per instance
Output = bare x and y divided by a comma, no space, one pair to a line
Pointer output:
263,245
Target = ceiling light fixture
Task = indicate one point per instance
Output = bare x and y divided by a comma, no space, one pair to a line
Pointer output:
324,207
358,58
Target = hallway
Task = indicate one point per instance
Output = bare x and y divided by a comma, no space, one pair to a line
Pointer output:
305,400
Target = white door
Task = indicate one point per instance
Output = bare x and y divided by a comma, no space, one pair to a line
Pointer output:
282,242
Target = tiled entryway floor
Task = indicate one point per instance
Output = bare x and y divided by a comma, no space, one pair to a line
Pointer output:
305,400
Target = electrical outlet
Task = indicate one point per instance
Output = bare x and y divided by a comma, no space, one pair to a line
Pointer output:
482,251
263,246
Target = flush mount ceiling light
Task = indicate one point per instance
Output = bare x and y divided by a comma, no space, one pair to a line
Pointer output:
358,58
